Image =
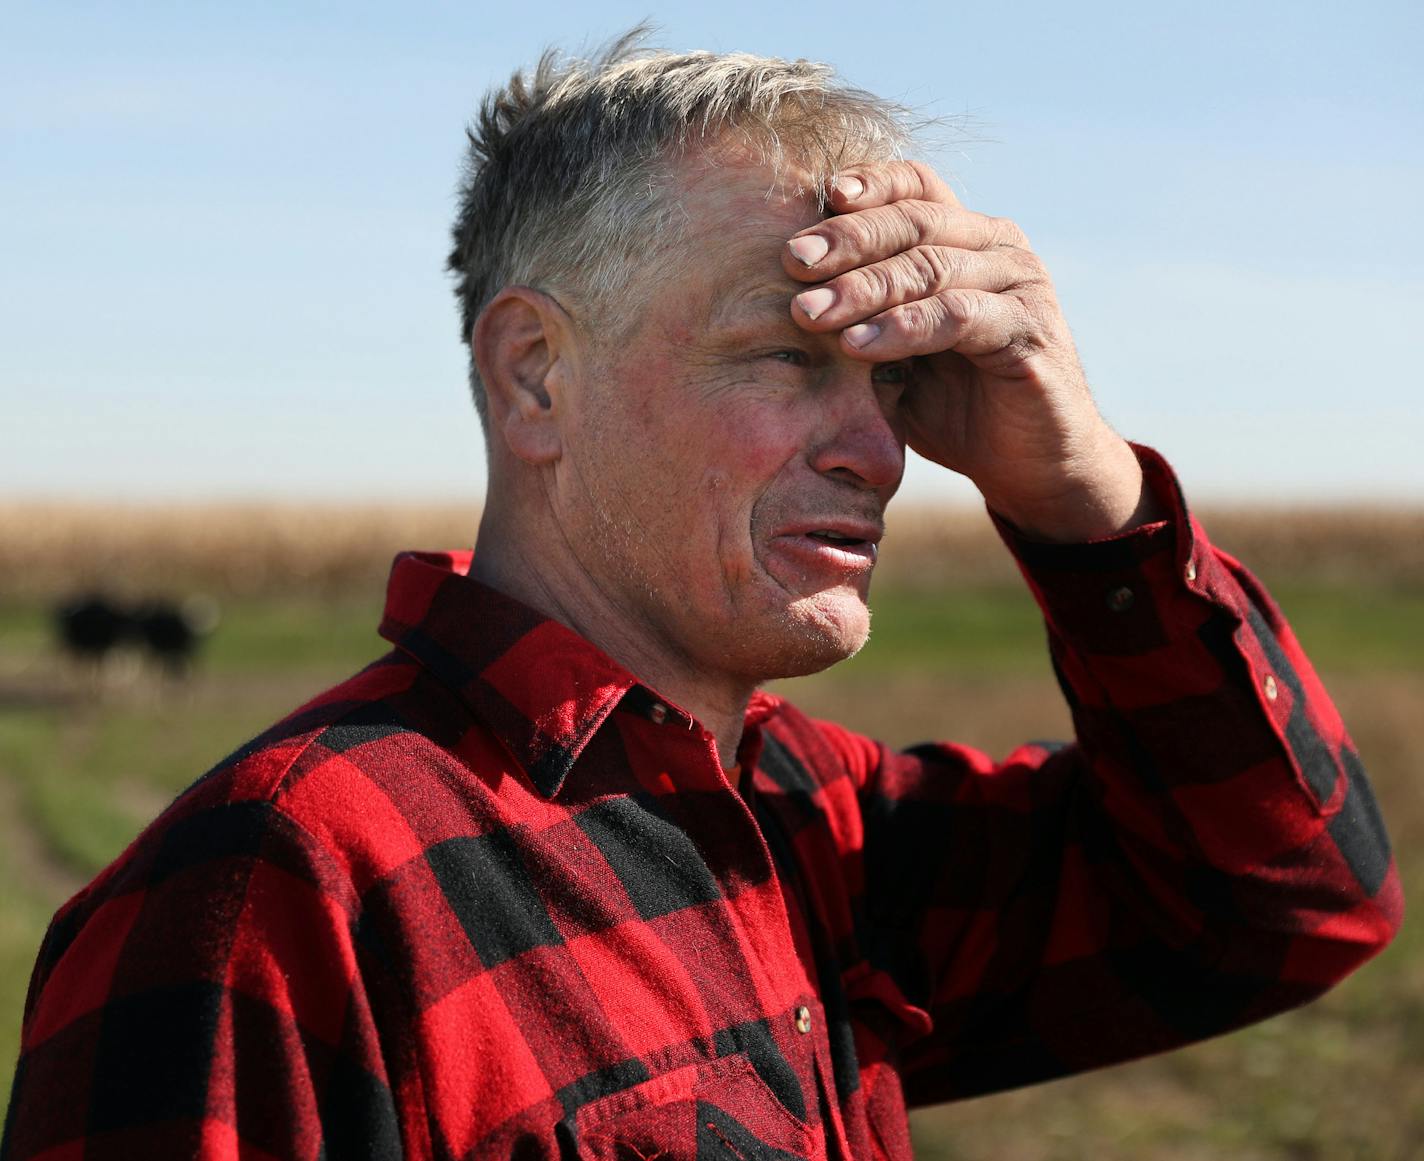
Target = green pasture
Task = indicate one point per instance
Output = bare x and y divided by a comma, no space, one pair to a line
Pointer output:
83,764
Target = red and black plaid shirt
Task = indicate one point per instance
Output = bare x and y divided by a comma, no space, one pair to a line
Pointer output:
493,897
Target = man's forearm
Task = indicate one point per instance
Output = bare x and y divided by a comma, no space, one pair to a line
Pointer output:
1106,497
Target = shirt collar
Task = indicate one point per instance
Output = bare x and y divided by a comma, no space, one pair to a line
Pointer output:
543,690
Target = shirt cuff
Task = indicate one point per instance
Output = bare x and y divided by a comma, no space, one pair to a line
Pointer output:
1116,595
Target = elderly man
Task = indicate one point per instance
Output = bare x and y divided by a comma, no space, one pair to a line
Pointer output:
554,878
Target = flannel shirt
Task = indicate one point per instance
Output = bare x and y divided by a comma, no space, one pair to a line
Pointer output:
494,897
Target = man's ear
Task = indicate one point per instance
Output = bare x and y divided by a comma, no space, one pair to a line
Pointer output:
524,347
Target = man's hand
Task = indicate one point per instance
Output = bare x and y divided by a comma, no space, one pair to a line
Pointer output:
998,394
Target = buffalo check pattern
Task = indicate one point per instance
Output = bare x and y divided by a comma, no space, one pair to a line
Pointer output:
492,897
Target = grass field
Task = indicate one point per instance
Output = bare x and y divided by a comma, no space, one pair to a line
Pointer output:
957,652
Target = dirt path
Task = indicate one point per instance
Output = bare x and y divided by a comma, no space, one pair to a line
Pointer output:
34,868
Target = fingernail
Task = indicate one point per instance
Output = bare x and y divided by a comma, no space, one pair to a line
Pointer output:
809,250
850,187
862,334
813,303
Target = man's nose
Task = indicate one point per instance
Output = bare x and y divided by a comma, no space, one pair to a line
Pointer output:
863,439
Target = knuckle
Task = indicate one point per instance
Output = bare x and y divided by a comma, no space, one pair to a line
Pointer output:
1032,332
925,175
924,319
918,218
1033,268
868,284
856,232
961,310
1025,269
1037,313
914,320
1006,232
1024,348
928,267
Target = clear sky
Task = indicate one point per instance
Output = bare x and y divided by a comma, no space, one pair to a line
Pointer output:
223,226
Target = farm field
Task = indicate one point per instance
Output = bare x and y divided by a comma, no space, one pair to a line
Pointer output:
957,652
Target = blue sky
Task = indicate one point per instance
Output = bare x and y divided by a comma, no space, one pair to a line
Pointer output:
223,226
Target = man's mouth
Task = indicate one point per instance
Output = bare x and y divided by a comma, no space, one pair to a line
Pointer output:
842,540
841,547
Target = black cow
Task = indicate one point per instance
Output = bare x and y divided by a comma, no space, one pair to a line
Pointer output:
93,626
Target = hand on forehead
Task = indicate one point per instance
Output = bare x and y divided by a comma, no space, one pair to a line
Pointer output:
904,268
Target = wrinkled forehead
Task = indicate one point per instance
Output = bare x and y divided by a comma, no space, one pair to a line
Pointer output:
737,213
725,191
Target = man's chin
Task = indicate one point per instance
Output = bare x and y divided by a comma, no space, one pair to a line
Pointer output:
823,630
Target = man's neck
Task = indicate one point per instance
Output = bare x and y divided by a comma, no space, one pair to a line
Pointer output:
568,595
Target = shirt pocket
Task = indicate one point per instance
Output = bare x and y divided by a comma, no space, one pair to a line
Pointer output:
718,1110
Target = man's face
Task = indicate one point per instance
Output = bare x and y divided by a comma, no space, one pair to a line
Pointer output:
725,473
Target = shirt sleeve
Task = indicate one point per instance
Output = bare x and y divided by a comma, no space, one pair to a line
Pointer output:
1208,852
202,999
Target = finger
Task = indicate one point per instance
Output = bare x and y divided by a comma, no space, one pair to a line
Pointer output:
974,323
863,186
920,272
838,244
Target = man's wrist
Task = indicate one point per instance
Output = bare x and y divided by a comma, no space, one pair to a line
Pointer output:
1108,498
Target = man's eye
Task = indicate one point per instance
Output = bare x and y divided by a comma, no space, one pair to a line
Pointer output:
891,372
793,357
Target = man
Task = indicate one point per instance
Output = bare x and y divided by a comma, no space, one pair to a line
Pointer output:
554,878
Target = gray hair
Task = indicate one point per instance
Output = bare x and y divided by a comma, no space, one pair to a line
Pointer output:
567,175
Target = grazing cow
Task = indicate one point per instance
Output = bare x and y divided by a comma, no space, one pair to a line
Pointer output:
172,633
93,627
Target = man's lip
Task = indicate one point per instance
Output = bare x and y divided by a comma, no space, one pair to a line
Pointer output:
866,531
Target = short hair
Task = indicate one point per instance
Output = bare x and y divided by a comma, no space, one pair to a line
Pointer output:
567,170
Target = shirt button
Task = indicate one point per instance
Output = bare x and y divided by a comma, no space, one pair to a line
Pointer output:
803,1019
1120,600
1270,687
1191,571
658,713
